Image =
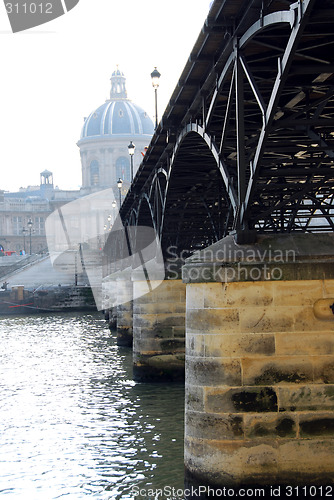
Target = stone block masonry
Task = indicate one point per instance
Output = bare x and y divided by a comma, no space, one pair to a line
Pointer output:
260,364
159,332
124,312
65,298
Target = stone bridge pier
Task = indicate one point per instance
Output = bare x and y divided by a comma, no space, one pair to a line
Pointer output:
117,292
260,362
124,308
159,330
252,326
150,318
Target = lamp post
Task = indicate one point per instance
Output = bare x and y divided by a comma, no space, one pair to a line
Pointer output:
114,212
155,75
30,224
24,232
119,185
131,149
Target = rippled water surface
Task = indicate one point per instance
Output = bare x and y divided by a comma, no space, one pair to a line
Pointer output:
72,421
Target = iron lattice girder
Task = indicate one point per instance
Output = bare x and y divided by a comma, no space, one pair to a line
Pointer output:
270,94
248,132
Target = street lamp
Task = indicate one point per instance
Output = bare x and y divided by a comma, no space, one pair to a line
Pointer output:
155,75
30,224
24,232
131,149
119,185
114,213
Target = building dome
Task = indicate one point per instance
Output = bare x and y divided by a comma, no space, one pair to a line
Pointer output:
105,138
118,115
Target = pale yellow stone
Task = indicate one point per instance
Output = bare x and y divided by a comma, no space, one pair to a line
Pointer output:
309,457
277,370
306,321
287,377
324,309
301,343
233,461
168,291
140,287
195,345
212,320
327,288
159,308
195,295
215,295
249,294
266,319
297,293
239,345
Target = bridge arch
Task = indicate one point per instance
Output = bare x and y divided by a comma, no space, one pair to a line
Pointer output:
199,199
254,104
266,23
145,215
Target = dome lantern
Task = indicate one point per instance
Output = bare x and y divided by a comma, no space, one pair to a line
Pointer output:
118,89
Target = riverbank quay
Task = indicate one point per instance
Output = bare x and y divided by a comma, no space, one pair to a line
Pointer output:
37,286
12,263
19,301
260,362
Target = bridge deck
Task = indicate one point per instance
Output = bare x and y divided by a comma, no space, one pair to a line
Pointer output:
246,141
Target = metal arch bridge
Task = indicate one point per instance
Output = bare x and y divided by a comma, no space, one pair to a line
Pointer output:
246,143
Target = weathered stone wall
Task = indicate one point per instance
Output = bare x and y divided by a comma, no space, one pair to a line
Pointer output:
65,298
124,312
109,301
260,382
159,331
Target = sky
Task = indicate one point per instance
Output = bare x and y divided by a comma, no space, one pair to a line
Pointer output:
54,75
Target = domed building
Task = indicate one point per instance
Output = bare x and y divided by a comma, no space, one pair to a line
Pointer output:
105,137
105,158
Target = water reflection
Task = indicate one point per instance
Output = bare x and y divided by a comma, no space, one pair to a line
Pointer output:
72,421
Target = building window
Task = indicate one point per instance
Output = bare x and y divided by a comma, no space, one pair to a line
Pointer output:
17,225
94,173
38,226
123,169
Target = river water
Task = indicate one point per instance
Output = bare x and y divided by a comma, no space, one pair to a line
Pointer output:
74,424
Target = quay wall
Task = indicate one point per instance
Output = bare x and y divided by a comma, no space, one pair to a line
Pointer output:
63,298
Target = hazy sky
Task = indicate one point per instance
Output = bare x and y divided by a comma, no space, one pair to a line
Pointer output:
54,75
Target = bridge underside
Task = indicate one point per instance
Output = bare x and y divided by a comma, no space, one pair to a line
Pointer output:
246,142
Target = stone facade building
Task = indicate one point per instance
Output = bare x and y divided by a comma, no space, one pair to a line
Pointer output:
23,214
105,159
